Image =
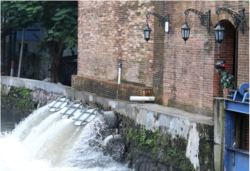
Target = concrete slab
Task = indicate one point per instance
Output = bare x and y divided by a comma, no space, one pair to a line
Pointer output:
30,84
178,113
129,108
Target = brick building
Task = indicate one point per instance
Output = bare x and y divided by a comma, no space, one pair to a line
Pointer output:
180,74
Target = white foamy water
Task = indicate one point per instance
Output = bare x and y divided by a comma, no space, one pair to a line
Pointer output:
45,142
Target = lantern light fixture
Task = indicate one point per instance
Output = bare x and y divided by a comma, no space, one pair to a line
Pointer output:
219,33
204,18
238,22
185,30
164,21
147,32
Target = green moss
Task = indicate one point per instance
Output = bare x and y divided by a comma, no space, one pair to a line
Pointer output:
4,90
205,146
151,143
129,135
17,98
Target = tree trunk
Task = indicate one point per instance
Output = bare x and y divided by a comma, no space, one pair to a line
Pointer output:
4,34
56,60
55,73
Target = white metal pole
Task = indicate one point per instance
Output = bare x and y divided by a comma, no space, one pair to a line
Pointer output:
119,73
21,55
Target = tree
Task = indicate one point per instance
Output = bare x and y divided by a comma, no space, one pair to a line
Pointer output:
59,18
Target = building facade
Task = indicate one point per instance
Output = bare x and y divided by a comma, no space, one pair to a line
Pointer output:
181,75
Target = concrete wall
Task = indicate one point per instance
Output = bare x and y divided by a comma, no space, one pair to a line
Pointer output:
195,131
31,84
219,133
21,97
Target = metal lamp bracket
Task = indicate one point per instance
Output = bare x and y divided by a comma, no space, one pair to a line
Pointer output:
204,18
238,18
162,19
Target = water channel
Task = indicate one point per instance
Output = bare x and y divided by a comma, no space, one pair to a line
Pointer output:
45,142
8,120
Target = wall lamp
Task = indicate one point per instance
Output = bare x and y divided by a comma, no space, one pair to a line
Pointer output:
204,18
238,22
164,21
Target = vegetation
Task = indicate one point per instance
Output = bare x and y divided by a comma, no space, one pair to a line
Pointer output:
24,96
58,18
164,149
18,98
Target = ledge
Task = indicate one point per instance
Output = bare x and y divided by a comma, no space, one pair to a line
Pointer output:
132,109
109,89
30,84
127,108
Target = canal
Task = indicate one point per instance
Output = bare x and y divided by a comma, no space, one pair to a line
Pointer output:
8,120
43,141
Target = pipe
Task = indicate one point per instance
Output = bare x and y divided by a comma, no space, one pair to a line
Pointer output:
142,98
119,73
111,119
110,138
21,55
13,55
4,46
10,50
3,59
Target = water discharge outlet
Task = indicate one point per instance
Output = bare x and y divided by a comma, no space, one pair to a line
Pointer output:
44,141
79,112
114,146
112,138
111,119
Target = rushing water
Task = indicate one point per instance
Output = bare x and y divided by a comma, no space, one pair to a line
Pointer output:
45,142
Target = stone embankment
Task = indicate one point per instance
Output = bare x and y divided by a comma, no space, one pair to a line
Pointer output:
154,137
19,100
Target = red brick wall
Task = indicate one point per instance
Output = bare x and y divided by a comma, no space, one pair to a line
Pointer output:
190,80
111,32
109,89
188,70
243,53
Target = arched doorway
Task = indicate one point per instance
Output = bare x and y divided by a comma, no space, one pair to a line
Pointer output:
226,51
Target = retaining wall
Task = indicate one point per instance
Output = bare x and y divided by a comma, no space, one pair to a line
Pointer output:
196,131
192,133
22,96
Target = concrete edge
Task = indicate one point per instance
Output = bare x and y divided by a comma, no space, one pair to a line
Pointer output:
30,84
131,109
